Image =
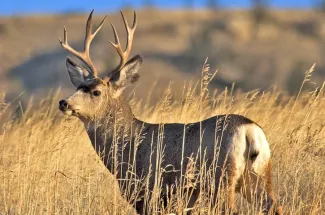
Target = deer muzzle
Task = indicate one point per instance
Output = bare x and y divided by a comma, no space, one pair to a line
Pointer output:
63,105
67,108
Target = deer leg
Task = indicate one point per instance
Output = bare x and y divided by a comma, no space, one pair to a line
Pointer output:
193,200
230,182
231,187
259,188
275,207
139,206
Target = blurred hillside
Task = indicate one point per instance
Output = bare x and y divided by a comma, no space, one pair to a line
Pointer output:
276,50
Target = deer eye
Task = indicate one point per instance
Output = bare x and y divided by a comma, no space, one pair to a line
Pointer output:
96,93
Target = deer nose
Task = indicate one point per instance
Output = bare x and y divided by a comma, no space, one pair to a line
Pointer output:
63,105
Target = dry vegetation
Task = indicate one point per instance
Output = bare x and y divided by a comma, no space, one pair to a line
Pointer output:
49,167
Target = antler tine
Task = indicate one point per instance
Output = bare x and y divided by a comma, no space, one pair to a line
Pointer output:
117,44
85,55
89,35
130,32
89,27
65,44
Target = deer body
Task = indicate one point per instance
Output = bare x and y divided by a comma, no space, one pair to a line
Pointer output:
241,143
232,146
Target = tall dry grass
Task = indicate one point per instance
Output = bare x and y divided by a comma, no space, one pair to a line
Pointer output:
48,165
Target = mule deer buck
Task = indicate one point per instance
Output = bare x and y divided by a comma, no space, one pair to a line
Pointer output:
127,144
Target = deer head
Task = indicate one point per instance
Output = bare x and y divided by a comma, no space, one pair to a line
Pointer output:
94,95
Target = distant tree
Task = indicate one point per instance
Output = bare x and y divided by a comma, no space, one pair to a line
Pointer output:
189,4
127,5
212,4
259,14
260,10
320,5
148,3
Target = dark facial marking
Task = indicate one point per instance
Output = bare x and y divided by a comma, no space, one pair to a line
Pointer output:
84,88
90,85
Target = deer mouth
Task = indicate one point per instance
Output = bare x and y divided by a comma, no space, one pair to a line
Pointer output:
70,112
75,112
67,112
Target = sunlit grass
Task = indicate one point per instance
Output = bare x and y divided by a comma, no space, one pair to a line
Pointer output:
48,165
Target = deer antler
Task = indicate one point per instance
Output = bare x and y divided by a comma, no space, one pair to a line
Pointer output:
84,55
123,54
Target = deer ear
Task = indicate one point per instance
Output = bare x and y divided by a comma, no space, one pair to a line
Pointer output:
76,73
128,74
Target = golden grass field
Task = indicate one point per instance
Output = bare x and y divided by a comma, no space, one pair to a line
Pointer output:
48,165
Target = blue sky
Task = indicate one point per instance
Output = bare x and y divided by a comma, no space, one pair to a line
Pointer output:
13,7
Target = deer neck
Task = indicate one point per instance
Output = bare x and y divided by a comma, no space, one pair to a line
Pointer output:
115,130
115,123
